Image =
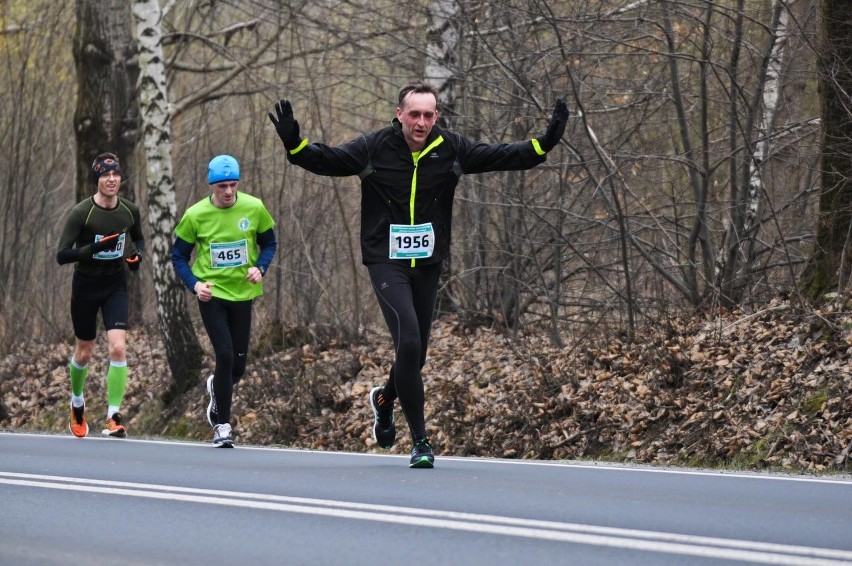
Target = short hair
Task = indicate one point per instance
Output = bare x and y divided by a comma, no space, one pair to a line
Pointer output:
416,87
107,155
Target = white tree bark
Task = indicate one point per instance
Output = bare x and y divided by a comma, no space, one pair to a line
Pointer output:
442,36
771,95
741,230
182,348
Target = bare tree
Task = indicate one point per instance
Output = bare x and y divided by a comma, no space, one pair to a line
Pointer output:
36,168
686,178
686,129
107,113
442,37
831,264
182,347
162,112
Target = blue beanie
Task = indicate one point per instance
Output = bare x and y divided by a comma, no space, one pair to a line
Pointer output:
223,168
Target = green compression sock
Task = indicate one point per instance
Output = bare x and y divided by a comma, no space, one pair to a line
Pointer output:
78,377
116,382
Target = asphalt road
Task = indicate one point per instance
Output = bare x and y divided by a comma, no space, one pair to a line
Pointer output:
84,501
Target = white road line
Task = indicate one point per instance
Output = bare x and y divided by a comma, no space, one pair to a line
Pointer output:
840,480
645,469
670,543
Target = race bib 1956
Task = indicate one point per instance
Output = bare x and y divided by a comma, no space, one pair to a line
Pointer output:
228,254
407,241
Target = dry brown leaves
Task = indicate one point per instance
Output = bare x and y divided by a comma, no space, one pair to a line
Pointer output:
764,390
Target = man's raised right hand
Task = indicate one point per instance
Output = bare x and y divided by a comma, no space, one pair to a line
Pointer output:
286,126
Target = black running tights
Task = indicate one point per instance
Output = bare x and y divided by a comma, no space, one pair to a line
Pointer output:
228,324
407,299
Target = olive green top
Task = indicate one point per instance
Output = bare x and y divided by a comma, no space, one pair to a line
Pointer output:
89,222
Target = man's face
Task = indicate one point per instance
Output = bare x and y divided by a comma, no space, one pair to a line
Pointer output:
417,116
225,193
109,183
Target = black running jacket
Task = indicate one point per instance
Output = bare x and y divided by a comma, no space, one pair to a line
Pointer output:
398,187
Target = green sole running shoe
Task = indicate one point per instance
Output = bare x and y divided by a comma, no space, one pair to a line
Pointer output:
421,455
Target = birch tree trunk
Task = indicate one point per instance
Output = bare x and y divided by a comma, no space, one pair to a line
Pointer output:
442,36
183,350
770,95
746,203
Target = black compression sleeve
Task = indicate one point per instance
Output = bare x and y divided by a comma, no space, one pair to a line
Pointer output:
70,255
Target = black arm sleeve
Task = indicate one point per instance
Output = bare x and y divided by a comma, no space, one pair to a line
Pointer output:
70,255
140,246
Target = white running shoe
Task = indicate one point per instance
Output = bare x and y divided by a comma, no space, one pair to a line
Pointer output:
222,436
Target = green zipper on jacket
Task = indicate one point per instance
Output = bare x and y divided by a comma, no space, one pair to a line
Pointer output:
416,157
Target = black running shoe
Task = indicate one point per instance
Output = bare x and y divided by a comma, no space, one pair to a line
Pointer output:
212,416
384,431
421,454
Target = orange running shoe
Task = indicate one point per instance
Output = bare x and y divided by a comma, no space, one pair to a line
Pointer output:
78,425
114,428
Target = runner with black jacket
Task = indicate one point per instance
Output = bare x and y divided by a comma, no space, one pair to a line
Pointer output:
409,171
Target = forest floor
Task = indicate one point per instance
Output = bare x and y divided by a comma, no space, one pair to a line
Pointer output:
765,390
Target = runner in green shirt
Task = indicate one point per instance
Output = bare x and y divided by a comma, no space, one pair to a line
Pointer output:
233,236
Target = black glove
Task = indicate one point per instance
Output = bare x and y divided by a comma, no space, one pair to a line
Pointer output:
105,244
556,126
134,261
286,126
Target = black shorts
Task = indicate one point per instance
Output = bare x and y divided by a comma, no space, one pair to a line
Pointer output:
92,294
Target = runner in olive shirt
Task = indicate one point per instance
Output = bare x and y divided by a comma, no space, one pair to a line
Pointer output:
235,242
102,233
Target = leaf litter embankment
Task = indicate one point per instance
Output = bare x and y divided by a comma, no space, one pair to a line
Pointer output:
764,390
